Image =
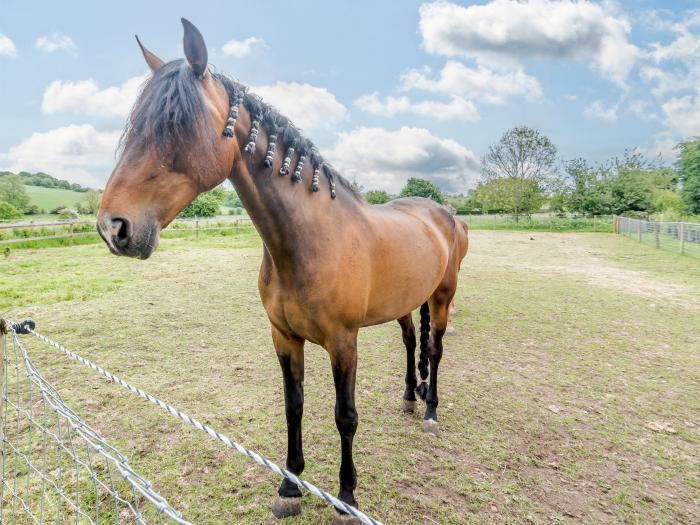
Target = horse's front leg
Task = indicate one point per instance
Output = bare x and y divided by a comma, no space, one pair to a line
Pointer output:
290,352
343,354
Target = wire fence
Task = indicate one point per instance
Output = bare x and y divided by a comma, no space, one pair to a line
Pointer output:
682,237
55,467
78,484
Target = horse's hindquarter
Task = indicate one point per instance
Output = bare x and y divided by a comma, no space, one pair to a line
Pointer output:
409,256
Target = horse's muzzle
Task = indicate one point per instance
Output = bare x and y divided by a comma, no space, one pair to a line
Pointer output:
123,237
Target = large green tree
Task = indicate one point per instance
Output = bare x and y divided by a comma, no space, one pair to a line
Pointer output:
416,187
8,211
509,195
632,183
207,204
12,191
689,168
521,163
91,202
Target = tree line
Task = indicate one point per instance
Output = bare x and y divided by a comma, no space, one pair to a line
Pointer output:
15,202
522,173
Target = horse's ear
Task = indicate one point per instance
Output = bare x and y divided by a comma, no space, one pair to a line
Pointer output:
195,48
153,61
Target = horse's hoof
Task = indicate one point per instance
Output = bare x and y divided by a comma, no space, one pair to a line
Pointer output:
285,507
430,426
344,519
408,405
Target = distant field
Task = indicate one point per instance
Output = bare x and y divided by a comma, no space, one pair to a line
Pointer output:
50,198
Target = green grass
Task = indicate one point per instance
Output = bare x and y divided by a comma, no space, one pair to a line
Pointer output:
567,346
539,222
50,198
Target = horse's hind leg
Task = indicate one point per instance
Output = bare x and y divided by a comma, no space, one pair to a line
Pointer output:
409,339
439,304
450,312
290,352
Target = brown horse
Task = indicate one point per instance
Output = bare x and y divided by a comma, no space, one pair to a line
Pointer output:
331,263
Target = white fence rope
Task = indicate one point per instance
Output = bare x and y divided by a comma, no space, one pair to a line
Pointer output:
55,467
338,504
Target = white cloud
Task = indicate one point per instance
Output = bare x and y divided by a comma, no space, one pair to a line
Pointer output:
309,107
77,153
663,147
457,109
7,47
598,110
668,81
682,116
480,83
508,31
242,48
384,160
55,42
642,110
685,45
86,97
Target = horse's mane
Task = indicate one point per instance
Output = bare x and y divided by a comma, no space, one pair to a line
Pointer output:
170,116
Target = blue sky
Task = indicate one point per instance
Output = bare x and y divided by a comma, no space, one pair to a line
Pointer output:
387,90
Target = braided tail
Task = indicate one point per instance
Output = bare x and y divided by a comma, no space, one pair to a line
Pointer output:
422,389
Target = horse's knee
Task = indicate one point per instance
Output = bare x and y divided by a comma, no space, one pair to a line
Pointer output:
346,420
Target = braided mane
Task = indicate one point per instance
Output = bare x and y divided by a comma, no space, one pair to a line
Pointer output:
170,116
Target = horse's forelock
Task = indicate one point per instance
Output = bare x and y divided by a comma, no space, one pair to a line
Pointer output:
170,117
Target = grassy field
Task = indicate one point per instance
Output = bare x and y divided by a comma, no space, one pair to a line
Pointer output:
50,198
569,348
539,222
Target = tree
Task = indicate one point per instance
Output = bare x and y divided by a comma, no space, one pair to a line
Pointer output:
207,204
689,168
8,211
416,187
586,189
525,158
91,202
13,192
466,204
232,200
521,153
509,195
377,197
632,183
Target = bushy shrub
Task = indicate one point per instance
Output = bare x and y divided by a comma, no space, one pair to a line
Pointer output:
68,213
205,205
377,197
416,187
8,211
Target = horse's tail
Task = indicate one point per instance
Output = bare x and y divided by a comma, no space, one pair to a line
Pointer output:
422,389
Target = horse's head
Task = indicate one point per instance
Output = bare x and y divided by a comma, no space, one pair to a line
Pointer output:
171,151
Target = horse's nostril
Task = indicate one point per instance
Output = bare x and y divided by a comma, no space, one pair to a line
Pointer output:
120,232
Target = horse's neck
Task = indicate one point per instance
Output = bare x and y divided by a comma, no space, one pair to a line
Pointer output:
294,222
285,213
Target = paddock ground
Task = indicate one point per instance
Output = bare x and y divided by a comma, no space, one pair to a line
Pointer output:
568,348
